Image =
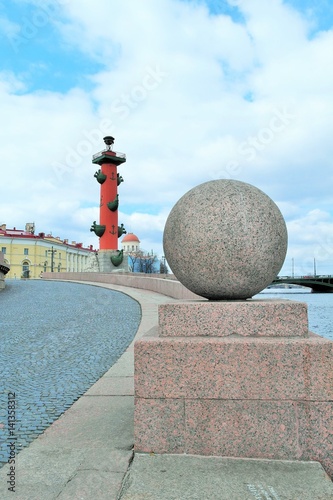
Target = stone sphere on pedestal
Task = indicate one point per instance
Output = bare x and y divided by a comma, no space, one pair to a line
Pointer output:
225,240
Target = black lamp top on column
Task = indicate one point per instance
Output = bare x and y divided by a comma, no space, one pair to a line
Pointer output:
108,156
109,140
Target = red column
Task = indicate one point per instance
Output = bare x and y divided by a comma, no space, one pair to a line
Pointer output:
109,188
108,161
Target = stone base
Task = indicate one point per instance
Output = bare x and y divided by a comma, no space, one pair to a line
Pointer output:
266,318
241,395
105,264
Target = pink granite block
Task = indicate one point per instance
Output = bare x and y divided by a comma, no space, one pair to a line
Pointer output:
234,368
316,432
159,425
318,368
276,318
235,428
248,429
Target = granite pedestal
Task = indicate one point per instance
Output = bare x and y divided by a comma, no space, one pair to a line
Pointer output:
239,379
105,265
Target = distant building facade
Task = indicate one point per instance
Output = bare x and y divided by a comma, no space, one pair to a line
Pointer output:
138,260
29,254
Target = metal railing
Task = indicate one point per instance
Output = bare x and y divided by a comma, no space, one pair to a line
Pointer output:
108,152
309,276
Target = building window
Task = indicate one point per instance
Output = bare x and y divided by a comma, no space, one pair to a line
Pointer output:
46,253
3,249
59,256
26,251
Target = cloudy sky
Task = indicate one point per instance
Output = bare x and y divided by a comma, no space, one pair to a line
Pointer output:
192,90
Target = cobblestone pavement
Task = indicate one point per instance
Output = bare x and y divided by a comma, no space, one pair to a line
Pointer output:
56,340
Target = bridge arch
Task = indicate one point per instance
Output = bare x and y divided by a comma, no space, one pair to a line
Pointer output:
322,284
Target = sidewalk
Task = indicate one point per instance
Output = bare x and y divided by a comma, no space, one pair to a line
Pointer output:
87,452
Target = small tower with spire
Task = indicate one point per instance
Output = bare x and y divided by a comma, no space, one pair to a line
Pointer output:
108,230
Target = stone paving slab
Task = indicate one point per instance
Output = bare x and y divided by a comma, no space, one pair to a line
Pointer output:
185,477
112,386
92,484
124,366
93,439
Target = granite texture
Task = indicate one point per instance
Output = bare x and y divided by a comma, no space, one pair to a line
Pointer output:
234,368
316,432
254,317
273,429
287,430
242,395
260,429
231,240
159,424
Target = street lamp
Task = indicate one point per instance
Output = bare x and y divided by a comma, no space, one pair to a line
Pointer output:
52,252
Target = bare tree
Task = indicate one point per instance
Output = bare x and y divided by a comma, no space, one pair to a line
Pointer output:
150,261
134,258
142,262
163,267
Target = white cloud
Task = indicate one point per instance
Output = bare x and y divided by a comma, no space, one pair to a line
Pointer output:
8,28
189,97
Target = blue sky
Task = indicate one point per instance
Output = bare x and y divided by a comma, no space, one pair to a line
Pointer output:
36,52
192,90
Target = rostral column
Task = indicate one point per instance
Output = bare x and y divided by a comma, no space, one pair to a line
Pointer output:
107,230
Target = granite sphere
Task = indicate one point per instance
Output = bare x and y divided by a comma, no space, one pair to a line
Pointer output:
225,239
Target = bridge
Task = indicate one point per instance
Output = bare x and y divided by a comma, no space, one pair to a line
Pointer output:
322,284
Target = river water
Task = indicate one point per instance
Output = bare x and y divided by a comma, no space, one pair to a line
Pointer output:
320,307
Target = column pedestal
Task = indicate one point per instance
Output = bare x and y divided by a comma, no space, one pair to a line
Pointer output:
105,264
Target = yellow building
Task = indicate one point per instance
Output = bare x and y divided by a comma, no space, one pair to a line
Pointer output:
29,254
